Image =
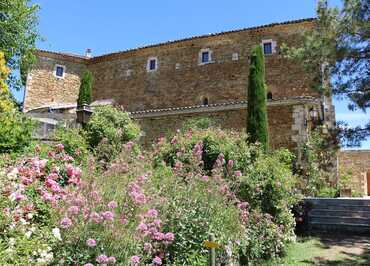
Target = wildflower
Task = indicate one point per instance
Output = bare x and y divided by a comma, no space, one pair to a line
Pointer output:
174,140
157,261
73,210
102,258
59,147
108,215
28,234
142,227
158,236
88,264
135,260
147,247
157,222
95,217
169,236
65,222
112,205
91,242
112,260
230,164
152,213
238,173
205,178
56,233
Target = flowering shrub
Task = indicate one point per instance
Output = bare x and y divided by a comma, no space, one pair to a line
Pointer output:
265,181
109,128
153,208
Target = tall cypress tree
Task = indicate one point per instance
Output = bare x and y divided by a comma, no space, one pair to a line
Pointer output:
84,95
257,128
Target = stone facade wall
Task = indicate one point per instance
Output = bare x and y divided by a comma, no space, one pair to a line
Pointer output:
356,162
281,118
181,81
44,89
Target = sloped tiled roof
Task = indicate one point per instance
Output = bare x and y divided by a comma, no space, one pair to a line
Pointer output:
98,58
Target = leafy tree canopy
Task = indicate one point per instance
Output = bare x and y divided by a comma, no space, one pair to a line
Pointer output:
18,35
339,45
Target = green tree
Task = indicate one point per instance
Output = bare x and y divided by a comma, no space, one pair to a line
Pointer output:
84,95
257,111
339,45
5,100
18,35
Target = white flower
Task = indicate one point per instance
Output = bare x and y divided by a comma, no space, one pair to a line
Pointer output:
11,241
28,234
56,233
30,215
12,175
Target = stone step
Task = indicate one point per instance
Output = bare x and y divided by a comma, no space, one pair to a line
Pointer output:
341,213
338,220
338,202
342,207
333,227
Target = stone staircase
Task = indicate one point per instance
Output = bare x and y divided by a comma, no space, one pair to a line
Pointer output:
341,215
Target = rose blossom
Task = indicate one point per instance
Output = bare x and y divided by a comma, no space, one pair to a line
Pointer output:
91,242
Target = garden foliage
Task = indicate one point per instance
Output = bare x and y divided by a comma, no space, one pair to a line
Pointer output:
107,129
84,95
145,208
257,111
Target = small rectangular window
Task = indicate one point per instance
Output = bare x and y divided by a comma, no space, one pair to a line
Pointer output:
152,64
59,71
267,48
205,57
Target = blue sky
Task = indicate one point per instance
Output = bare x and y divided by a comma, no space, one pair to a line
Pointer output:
114,25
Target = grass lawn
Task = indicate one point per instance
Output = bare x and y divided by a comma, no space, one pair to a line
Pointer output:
326,251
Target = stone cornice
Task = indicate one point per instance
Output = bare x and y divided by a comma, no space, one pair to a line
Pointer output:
217,107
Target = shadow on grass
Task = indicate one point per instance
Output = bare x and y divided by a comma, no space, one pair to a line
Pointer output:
350,260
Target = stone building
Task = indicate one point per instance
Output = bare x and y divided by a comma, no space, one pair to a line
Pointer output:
165,84
355,164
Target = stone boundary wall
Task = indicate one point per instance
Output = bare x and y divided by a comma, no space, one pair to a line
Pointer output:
356,162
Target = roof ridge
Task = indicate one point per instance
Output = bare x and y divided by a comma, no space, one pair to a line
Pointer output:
179,40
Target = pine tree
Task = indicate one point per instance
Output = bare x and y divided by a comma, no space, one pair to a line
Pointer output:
84,96
257,111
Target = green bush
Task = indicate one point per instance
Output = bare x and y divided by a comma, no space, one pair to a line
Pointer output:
84,95
316,170
15,132
264,180
74,142
257,106
108,129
